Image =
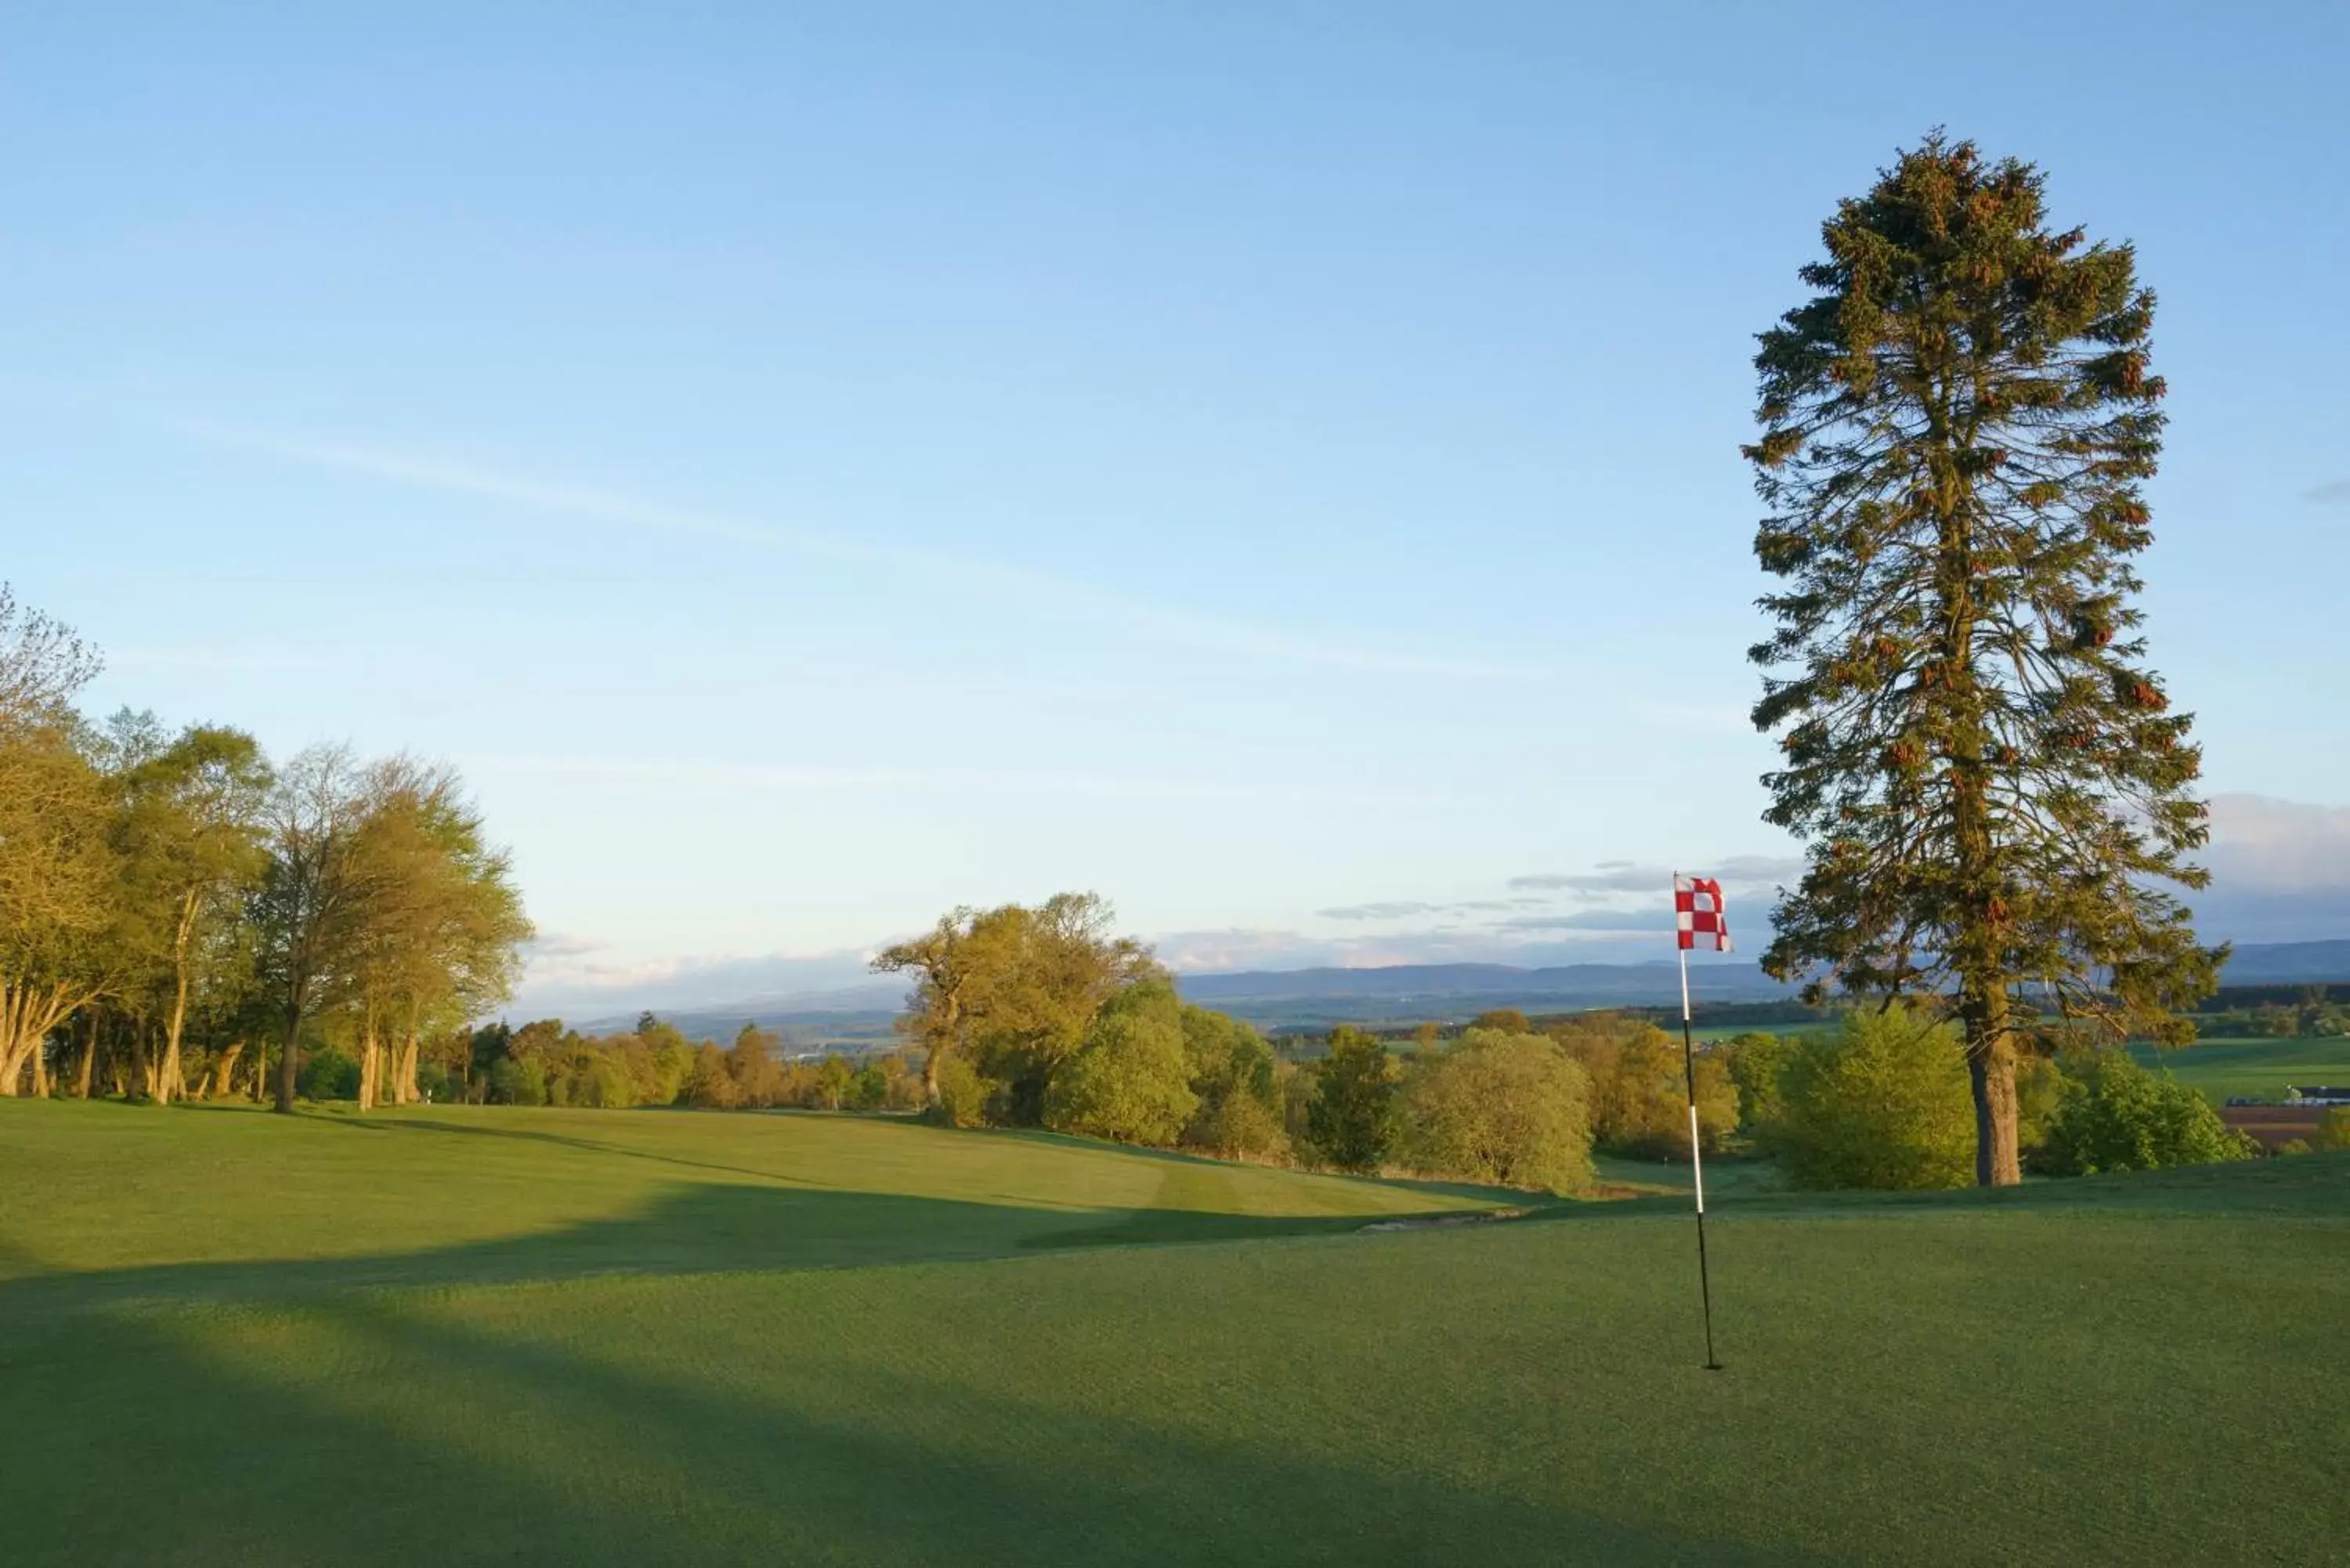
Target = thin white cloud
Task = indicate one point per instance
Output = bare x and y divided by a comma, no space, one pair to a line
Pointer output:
792,778
1394,910
585,975
1609,877
558,946
1412,909
1254,948
1615,922
1067,596
2263,845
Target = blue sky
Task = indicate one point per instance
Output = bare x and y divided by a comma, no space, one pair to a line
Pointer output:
1273,465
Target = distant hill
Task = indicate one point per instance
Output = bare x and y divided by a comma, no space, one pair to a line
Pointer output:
858,1016
2289,964
1453,990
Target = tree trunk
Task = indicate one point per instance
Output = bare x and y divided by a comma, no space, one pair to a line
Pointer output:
168,1078
40,1069
370,1059
404,1084
142,1061
223,1079
1977,950
1991,1075
88,1056
16,1013
289,1065
28,1014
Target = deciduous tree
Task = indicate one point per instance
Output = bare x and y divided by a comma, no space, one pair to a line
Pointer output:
306,913
1130,1081
1353,1118
189,833
1499,1106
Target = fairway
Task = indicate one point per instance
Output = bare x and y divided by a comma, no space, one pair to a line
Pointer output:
533,1335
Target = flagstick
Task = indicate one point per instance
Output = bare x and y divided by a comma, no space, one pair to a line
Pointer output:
1696,1165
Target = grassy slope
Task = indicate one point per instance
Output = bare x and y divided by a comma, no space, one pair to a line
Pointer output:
2120,1371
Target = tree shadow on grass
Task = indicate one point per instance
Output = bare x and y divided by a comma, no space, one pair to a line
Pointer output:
2315,1186
366,1428
411,1122
700,1227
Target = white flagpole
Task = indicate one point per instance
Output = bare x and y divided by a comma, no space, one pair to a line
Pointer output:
1697,1163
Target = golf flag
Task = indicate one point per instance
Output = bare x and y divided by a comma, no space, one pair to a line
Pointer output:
1697,910
1699,918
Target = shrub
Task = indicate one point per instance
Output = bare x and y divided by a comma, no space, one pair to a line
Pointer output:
1882,1102
517,1082
1130,1080
868,1089
1236,1078
1297,1088
329,1074
2334,1133
1353,1119
1639,1096
1239,1127
963,1094
1508,1108
1755,1061
2040,1085
2116,1116
599,1083
708,1085
751,1063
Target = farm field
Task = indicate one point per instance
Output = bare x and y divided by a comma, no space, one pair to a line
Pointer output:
574,1336
2252,1069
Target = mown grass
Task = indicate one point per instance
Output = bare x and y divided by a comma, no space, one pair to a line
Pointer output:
627,1337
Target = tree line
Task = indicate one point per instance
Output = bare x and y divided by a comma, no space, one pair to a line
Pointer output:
1044,1016
544,1063
181,916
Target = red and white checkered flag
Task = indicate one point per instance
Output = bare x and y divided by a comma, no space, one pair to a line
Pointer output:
1698,912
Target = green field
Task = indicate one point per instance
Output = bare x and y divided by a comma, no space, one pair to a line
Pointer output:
583,1338
2252,1069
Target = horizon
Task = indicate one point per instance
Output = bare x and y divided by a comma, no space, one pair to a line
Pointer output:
812,476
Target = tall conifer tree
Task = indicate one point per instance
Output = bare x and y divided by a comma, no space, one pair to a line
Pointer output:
1955,430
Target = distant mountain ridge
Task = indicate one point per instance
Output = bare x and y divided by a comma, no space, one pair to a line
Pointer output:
2288,963
1439,987
1444,992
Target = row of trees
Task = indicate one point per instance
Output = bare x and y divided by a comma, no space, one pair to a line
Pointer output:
176,912
544,1064
2315,1016
1043,1016
1881,1100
